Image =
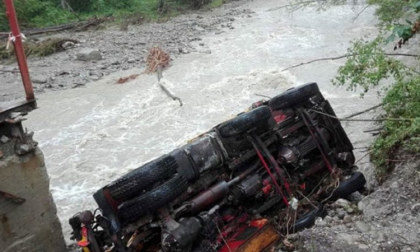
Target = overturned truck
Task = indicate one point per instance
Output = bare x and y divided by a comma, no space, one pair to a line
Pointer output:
237,187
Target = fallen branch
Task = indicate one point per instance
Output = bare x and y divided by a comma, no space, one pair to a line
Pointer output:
364,111
365,120
261,95
128,78
42,48
360,13
295,4
78,26
373,130
159,72
346,56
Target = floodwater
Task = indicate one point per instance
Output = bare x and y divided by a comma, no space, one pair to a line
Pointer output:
91,136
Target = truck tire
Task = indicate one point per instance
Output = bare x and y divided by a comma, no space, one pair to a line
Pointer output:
356,182
307,220
149,202
133,183
245,122
294,96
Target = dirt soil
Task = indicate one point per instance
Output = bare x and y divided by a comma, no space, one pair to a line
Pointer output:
93,130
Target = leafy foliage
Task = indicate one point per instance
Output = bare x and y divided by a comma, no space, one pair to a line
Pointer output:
41,13
369,66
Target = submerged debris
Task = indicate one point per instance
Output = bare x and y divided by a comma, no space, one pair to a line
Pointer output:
128,78
157,58
42,48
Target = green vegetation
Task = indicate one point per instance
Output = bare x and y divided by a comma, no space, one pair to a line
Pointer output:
216,3
370,66
42,13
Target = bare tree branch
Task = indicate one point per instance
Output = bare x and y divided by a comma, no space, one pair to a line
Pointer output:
358,15
346,56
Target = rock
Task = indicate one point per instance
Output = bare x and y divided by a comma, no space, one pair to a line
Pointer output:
381,237
67,45
349,209
201,44
89,54
25,148
4,139
341,213
350,238
356,197
347,219
76,85
199,28
206,51
184,50
360,205
328,219
342,203
64,72
131,61
395,185
331,213
415,208
320,223
116,63
362,227
39,79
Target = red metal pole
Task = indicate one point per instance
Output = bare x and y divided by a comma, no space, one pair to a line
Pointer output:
20,53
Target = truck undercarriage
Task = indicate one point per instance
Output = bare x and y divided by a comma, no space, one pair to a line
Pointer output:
238,187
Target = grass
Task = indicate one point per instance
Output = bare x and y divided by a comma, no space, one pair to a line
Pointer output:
38,14
216,3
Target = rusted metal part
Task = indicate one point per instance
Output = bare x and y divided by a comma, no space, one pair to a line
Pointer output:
10,125
13,198
259,235
20,53
261,241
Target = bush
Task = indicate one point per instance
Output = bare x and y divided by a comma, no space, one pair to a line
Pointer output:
197,3
369,65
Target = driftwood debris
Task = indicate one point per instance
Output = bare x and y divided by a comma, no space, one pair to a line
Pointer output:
78,26
123,80
157,58
173,97
41,48
364,111
346,56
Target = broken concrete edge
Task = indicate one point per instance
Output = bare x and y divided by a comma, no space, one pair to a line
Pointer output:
31,224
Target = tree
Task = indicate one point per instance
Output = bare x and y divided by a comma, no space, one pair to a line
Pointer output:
369,65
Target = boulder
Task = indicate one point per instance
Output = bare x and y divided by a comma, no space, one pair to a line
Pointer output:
89,54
